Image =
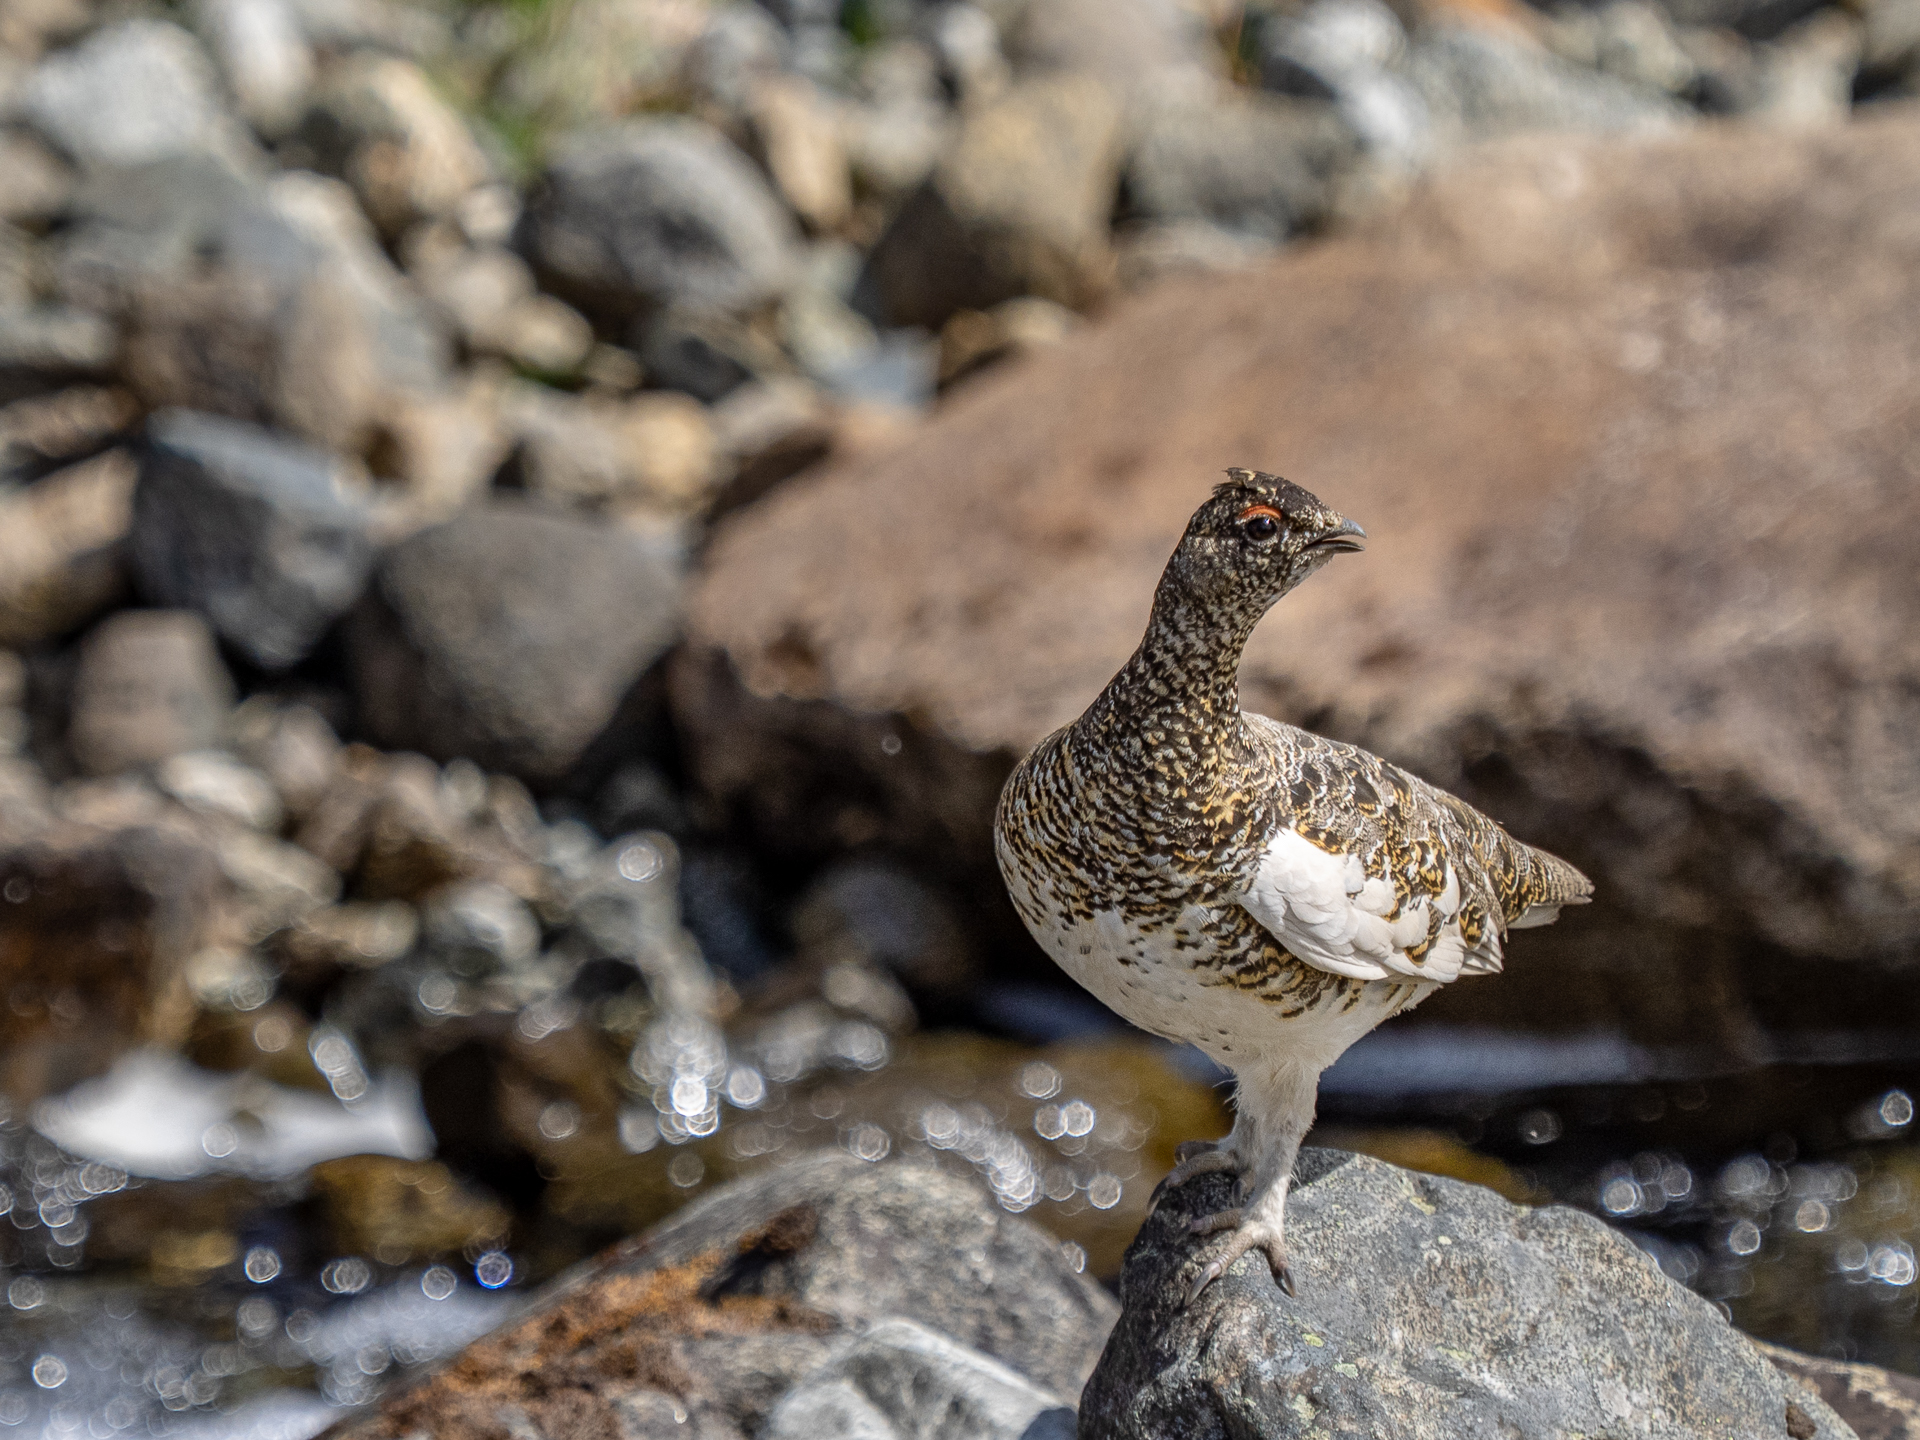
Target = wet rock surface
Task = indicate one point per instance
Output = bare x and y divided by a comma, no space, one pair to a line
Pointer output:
1608,340
717,1314
1425,1307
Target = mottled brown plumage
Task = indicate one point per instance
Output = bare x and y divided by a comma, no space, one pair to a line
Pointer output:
1221,878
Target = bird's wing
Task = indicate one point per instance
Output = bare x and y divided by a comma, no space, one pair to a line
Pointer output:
1372,873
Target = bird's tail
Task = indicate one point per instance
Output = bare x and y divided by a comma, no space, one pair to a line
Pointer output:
1546,883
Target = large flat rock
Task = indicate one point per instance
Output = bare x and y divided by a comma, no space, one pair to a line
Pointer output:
1631,424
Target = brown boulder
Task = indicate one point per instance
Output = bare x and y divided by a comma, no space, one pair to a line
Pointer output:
1631,426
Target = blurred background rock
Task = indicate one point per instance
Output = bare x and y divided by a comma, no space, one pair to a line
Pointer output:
531,532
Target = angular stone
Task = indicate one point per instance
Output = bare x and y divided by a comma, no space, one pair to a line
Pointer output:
1349,52
1019,205
129,224
253,530
660,212
149,685
745,1292
291,745
128,94
1549,406
403,829
1426,1308
494,636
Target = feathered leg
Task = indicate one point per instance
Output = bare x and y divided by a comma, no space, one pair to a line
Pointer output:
1276,1108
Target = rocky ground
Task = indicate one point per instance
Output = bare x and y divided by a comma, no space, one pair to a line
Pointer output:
530,534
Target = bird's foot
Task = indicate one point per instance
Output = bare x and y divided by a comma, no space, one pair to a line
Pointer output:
1213,1224
1188,1149
1196,1158
1260,1235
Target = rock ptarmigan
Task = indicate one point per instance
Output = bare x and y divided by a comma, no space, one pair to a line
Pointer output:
1221,878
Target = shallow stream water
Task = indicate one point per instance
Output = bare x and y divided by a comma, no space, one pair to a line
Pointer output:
224,1304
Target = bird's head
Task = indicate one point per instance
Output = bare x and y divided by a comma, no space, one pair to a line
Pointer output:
1255,539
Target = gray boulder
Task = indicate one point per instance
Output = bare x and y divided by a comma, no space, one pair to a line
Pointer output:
511,635
748,1292
1262,166
651,213
902,1381
255,531
1427,1308
1479,83
134,92
134,222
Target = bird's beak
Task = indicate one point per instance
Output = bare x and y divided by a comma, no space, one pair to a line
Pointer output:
1343,537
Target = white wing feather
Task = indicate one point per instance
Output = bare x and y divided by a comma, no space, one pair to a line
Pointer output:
1327,912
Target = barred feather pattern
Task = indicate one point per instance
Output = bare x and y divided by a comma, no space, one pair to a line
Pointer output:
1137,841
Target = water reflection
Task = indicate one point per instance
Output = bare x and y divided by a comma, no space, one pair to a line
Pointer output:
1806,1239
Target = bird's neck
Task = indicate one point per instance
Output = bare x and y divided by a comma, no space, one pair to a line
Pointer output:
1174,708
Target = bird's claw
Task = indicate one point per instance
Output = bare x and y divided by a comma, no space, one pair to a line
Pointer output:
1251,1235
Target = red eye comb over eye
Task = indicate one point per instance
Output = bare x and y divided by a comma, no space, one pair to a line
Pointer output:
1253,510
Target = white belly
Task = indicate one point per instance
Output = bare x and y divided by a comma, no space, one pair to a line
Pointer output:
1152,981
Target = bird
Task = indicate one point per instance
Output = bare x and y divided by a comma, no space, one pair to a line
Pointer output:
1261,892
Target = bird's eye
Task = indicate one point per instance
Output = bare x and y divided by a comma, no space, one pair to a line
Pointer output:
1259,523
